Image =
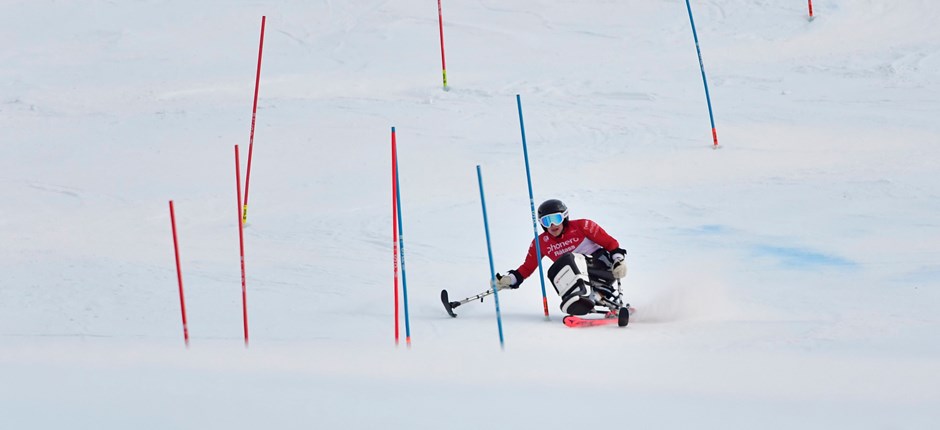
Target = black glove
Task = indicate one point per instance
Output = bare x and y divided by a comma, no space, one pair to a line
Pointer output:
622,252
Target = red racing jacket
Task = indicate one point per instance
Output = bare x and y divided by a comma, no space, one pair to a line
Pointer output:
581,235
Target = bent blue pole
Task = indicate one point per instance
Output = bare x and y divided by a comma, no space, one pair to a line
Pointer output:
535,228
401,250
701,65
489,250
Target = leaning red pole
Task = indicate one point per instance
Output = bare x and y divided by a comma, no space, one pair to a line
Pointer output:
241,242
395,231
251,136
811,9
179,274
440,23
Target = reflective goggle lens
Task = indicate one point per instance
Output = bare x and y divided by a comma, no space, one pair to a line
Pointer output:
552,219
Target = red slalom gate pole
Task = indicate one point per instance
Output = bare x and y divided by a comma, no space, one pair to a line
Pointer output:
251,136
241,242
440,22
179,273
811,17
395,230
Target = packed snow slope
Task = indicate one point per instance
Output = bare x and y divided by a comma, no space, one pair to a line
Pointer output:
789,279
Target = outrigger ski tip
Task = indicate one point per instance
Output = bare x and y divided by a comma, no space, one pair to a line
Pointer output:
448,305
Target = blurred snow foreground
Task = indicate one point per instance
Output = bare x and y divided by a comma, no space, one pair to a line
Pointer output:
789,279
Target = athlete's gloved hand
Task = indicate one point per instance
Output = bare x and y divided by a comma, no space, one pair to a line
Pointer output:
619,269
510,280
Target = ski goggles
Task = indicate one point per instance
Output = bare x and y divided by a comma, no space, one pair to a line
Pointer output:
553,219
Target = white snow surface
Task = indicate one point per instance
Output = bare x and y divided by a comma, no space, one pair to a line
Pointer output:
789,279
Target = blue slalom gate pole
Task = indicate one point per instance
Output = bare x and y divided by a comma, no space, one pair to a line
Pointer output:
535,228
401,246
489,250
701,65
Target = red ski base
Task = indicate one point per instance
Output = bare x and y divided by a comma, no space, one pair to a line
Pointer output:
574,321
